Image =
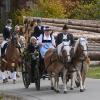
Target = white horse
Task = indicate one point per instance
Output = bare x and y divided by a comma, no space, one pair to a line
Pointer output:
64,52
81,62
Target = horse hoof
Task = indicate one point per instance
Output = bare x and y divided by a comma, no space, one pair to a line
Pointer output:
18,76
57,91
52,88
9,77
77,83
71,88
4,81
65,92
14,81
81,90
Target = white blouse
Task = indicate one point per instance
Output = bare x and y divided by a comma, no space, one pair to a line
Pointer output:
46,38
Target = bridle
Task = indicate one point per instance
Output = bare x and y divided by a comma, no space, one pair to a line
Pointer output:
83,50
62,48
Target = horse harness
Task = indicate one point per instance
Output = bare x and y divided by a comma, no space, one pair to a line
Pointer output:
52,61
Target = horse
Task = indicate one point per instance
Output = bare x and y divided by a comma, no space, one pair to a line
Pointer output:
63,50
12,58
53,67
80,61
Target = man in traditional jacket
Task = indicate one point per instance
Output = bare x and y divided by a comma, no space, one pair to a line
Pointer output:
65,36
7,30
38,30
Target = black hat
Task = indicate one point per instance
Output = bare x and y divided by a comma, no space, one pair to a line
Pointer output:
9,21
39,21
65,27
47,28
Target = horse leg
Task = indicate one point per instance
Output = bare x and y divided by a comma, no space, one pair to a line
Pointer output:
6,75
80,79
3,76
52,83
14,76
84,72
72,80
65,80
57,83
83,80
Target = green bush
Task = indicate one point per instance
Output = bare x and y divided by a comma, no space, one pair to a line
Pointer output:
17,16
49,8
87,11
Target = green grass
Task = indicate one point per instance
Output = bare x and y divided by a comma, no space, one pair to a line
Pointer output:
94,72
1,98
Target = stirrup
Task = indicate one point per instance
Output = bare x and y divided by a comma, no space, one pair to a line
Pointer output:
4,60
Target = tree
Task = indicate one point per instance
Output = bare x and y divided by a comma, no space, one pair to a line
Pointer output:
87,11
69,6
49,8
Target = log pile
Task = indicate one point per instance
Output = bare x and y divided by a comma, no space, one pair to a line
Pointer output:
85,28
85,25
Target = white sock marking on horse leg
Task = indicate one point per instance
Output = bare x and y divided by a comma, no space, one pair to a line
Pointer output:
51,78
14,75
3,75
64,80
72,80
57,80
81,86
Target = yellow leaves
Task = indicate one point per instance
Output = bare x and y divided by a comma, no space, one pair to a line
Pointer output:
52,8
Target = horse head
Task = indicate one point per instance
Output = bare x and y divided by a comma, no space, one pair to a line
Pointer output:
64,50
14,40
82,47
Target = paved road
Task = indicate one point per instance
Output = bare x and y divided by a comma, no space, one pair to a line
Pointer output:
92,92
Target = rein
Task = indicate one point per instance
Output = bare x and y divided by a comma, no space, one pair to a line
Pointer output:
52,61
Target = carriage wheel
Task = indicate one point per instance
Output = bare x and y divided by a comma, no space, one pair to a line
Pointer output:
25,75
37,77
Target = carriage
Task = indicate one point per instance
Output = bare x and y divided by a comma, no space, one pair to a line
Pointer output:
31,68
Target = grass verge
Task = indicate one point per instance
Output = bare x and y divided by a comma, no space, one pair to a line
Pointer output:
94,72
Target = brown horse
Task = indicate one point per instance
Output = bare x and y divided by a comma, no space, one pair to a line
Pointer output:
80,62
53,67
12,57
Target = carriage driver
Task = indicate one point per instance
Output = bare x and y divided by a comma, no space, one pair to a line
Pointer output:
46,41
64,37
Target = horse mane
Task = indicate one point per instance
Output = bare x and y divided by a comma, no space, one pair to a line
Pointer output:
76,45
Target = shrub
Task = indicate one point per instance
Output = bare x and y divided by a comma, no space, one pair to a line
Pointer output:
50,9
87,11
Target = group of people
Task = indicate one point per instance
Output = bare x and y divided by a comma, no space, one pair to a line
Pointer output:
41,35
45,38
8,33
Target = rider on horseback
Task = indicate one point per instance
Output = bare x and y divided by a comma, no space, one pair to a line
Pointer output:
6,35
